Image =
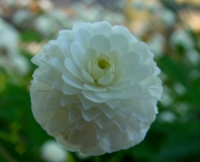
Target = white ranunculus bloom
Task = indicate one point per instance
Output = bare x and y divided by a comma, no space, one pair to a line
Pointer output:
96,88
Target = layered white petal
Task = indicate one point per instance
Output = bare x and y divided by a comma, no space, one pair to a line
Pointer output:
102,28
119,42
100,43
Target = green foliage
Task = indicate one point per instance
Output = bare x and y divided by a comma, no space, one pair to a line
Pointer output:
30,35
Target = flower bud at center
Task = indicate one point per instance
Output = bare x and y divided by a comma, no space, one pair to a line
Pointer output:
103,63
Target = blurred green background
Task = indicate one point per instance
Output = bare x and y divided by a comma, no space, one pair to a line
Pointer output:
171,28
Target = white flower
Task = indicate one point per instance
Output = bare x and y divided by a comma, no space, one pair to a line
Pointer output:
96,88
52,152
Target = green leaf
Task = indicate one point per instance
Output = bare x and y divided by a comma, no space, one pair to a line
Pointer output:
30,35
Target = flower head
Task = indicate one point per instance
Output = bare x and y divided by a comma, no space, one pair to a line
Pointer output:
96,88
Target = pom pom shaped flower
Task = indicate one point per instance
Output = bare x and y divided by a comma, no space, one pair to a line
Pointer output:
96,88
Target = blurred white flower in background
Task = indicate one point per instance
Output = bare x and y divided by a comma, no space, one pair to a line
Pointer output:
167,97
182,109
163,76
193,56
22,17
9,36
168,17
48,24
87,13
114,17
181,37
10,60
96,12
167,116
179,88
51,151
156,44
96,88
44,25
195,74
198,43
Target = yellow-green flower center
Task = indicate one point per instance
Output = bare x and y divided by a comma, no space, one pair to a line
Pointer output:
103,63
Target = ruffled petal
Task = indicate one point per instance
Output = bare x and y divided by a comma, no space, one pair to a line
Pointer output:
78,55
73,81
107,79
58,64
119,42
64,43
70,90
87,104
73,69
82,36
58,121
112,135
140,48
91,114
94,87
74,113
129,62
91,96
67,33
103,28
109,94
103,121
83,25
124,30
68,99
87,76
100,43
